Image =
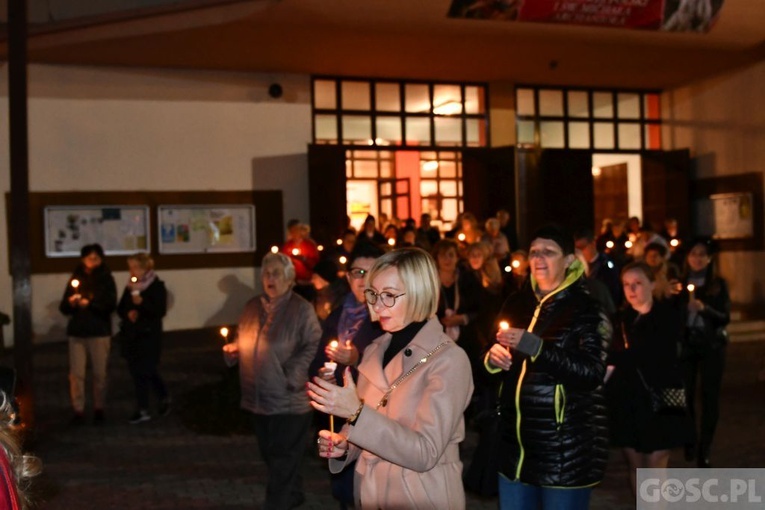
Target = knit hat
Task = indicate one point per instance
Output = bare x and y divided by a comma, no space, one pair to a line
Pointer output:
326,269
559,235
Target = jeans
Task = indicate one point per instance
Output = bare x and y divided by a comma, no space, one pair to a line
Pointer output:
146,377
79,348
515,495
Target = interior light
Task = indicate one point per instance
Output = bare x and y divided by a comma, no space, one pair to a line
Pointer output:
596,171
448,108
429,166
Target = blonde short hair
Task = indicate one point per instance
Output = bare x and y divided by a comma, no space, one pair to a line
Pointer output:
144,260
417,270
281,259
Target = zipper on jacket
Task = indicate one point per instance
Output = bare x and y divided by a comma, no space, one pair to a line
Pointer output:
560,404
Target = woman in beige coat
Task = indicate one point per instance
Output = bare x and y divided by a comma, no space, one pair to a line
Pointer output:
404,420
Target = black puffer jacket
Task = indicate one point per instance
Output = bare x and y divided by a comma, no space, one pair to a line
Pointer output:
99,288
553,425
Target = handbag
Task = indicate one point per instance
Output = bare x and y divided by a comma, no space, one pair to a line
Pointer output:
665,400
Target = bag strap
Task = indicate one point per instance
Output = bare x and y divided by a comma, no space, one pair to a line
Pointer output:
384,400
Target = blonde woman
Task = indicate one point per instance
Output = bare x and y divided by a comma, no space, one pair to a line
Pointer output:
405,418
141,308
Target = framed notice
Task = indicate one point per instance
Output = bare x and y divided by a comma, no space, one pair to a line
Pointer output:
727,216
119,229
206,228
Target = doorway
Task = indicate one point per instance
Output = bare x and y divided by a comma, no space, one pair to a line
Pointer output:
617,188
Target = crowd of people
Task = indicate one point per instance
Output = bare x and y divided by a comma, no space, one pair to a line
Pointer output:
396,338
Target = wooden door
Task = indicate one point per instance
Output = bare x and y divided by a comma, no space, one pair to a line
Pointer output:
326,192
611,193
665,182
488,181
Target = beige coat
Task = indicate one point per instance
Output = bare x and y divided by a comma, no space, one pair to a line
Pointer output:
407,451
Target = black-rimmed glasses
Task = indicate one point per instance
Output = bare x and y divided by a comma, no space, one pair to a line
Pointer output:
388,299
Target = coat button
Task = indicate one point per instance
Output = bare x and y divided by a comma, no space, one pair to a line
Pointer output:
408,352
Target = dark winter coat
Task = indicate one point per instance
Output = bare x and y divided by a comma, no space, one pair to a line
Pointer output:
709,331
553,424
95,319
143,338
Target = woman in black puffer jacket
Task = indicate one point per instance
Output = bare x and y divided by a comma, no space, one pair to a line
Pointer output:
553,426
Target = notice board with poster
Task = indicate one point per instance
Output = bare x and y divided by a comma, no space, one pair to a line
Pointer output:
206,228
119,229
726,216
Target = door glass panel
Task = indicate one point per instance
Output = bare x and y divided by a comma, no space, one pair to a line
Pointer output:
417,98
387,97
428,188
551,103
449,188
418,131
348,168
525,102
579,135
324,96
653,136
449,209
604,135
388,131
578,104
386,189
551,135
476,132
447,169
526,132
448,131
629,106
355,95
357,129
602,105
365,169
386,207
629,136
474,100
326,127
386,169
447,100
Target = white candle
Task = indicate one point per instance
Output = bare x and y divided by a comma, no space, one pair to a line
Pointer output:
75,286
691,288
224,334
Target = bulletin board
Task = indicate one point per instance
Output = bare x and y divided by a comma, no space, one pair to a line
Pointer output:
206,228
727,216
120,230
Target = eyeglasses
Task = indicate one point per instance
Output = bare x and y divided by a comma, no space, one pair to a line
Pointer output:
388,299
357,273
545,253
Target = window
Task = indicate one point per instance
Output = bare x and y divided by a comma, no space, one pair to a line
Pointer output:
380,113
564,118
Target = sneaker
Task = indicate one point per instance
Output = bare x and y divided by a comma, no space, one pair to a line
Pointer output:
98,417
164,407
139,417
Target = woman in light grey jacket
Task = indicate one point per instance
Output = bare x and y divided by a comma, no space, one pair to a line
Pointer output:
277,338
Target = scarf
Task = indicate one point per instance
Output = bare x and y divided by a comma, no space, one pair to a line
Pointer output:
144,282
351,318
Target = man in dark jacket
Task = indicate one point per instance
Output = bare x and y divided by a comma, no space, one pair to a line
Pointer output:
601,266
551,353
89,300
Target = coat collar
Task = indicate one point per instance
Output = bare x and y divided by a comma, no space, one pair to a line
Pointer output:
427,339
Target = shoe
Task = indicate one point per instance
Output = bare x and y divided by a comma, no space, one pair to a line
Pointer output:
139,417
703,459
78,418
164,407
690,452
98,417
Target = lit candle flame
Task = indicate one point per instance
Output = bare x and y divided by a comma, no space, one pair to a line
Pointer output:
75,284
339,242
609,244
461,237
133,279
320,247
333,344
508,269
343,259
691,287
674,243
224,332
391,242
628,244
516,264
504,325
274,249
295,252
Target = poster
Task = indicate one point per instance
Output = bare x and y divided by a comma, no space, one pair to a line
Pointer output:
206,228
120,230
726,216
669,15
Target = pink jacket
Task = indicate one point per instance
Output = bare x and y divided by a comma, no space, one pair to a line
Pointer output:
407,451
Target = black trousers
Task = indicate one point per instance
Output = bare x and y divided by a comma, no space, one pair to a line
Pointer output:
707,364
282,439
145,377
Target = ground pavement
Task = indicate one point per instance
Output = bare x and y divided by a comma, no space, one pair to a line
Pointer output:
202,455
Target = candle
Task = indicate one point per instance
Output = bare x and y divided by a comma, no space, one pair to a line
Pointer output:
134,292
391,242
133,279
75,286
339,242
295,252
508,269
343,259
333,344
504,326
224,334
628,244
691,287
516,264
461,237
674,243
274,249
609,244
320,247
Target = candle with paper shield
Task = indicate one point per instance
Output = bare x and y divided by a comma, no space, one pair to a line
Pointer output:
331,365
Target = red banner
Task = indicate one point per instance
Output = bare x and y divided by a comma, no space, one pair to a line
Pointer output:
612,13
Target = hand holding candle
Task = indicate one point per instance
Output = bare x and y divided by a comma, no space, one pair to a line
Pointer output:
134,292
507,336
